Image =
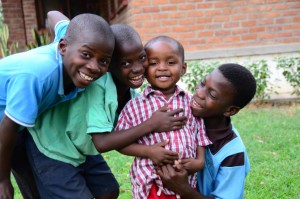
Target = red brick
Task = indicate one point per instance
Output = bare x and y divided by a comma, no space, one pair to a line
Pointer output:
257,29
248,23
187,7
222,4
232,39
206,34
169,8
249,37
204,5
231,25
151,9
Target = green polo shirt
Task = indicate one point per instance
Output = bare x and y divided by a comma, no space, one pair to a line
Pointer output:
63,132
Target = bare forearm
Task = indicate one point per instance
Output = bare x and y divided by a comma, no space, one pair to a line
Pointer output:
52,18
120,139
8,133
137,150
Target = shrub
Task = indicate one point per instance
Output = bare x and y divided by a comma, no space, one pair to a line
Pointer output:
40,38
196,72
261,73
291,71
6,48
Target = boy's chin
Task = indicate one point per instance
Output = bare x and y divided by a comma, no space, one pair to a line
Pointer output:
196,112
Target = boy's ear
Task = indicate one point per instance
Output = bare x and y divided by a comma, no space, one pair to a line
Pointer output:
62,46
232,110
183,69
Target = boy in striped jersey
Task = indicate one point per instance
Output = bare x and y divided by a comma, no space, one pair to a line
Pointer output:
166,66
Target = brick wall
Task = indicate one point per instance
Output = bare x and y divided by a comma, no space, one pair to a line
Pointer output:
15,11
210,25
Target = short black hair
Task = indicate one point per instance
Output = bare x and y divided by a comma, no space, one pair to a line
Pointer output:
167,39
90,23
124,34
242,80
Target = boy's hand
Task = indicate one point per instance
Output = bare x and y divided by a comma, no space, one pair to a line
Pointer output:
163,120
6,190
191,165
175,179
161,156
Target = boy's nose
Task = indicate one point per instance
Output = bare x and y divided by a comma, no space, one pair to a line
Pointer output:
138,67
94,67
162,66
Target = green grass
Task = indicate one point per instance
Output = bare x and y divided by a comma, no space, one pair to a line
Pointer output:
272,139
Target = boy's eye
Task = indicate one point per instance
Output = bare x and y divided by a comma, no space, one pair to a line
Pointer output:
125,63
212,95
153,63
86,55
171,62
105,62
202,84
143,58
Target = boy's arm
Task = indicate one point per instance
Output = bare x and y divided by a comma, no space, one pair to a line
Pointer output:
156,152
53,17
8,134
161,121
193,165
176,179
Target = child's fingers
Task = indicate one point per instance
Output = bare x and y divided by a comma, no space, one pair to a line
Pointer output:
176,111
164,109
163,143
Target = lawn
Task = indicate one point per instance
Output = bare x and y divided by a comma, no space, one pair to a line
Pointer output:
272,137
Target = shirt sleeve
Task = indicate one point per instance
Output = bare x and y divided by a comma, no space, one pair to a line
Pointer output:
125,118
23,98
60,29
202,138
230,182
100,114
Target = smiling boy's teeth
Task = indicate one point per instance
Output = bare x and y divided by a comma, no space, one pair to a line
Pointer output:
195,103
137,77
85,76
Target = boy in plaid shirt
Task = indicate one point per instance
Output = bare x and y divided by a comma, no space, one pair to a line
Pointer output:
166,66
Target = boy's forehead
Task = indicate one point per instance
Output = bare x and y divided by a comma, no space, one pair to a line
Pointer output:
218,79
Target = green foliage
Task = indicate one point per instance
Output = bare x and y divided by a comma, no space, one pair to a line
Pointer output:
261,73
1,15
291,71
40,39
196,72
5,47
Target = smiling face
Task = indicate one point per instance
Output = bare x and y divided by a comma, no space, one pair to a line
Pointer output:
130,61
213,96
166,66
85,59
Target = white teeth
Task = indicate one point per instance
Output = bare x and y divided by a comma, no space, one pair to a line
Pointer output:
163,77
88,78
137,77
195,103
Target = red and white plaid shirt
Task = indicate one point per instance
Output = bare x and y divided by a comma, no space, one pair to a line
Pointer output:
184,141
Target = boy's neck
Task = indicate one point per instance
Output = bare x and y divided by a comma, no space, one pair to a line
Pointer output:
167,93
216,122
68,83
